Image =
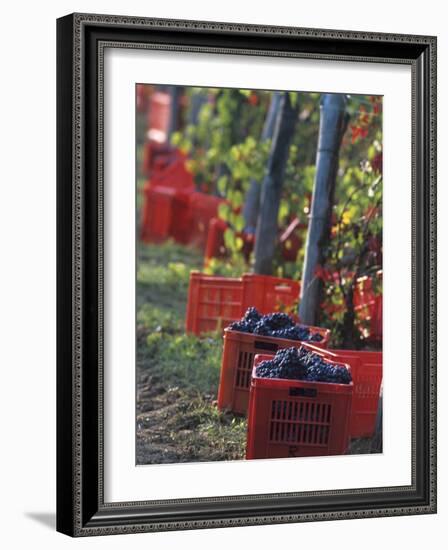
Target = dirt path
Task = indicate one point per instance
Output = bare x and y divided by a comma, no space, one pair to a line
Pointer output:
178,425
177,419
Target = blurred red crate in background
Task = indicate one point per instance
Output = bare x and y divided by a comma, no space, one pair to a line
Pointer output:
166,209
208,298
158,153
203,209
158,156
156,213
215,246
181,217
165,214
174,175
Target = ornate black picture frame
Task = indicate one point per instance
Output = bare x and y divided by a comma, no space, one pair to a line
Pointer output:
81,509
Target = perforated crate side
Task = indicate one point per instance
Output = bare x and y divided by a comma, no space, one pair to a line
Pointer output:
213,302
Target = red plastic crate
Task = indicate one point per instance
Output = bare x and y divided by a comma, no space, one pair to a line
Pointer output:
218,301
213,302
175,175
166,209
238,355
156,213
214,246
203,209
367,374
291,418
181,217
158,156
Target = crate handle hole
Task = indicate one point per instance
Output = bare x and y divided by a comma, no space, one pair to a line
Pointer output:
302,392
269,346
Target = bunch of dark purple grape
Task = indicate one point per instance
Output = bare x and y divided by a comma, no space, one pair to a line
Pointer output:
278,325
248,322
303,364
287,363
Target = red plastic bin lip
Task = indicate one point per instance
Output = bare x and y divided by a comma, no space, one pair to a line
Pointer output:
360,352
237,335
160,190
215,278
285,383
355,353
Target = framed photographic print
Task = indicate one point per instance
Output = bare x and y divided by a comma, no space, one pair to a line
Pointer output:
246,274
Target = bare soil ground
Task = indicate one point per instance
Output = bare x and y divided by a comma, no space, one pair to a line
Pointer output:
175,425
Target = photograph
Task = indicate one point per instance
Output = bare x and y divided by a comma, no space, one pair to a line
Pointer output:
259,302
